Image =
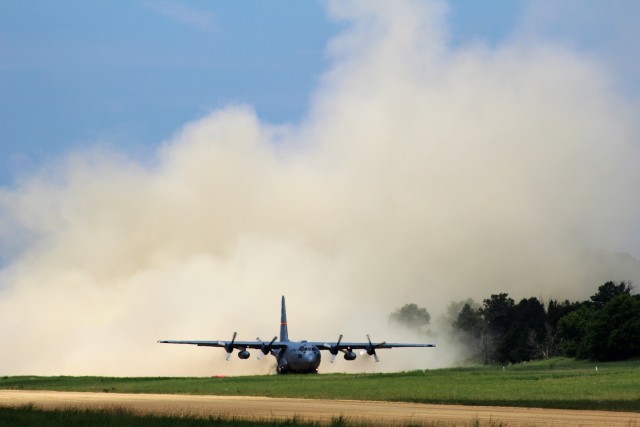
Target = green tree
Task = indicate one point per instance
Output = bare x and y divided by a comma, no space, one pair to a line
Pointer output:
472,330
557,310
412,316
528,320
573,329
550,345
469,320
606,327
498,313
609,291
614,333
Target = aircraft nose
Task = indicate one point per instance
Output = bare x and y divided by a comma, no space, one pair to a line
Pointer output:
310,357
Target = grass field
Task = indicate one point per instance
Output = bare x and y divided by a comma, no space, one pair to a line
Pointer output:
30,416
555,383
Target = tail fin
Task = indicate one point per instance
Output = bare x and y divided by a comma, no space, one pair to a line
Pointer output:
284,331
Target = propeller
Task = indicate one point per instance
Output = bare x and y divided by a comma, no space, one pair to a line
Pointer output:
334,349
229,347
265,348
371,350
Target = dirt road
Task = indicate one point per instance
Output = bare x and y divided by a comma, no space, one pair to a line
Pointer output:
319,410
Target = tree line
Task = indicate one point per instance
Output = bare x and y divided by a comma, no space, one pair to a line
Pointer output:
605,327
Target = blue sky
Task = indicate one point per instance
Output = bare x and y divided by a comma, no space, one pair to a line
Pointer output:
126,75
130,73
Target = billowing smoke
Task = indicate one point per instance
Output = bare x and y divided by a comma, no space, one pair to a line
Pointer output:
422,173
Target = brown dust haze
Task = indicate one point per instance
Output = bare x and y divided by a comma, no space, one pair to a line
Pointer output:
422,173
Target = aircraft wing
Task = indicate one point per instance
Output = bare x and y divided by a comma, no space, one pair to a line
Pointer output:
365,345
370,347
229,344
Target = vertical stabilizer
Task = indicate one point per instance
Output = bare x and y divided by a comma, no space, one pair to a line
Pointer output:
284,331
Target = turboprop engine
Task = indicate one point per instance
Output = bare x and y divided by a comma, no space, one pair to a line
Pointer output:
349,355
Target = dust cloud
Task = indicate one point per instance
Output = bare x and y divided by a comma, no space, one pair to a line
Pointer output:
422,173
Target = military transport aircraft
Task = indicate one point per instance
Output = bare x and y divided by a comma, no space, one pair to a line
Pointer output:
296,356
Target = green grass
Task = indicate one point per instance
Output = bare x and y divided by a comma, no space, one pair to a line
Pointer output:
115,417
556,383
31,416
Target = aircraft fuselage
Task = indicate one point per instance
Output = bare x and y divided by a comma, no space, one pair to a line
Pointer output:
298,357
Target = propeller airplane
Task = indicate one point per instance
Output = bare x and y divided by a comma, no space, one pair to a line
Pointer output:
297,356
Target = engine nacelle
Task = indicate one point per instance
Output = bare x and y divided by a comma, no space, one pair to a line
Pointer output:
244,354
350,355
283,366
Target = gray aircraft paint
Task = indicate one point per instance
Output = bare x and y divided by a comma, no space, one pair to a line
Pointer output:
297,357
